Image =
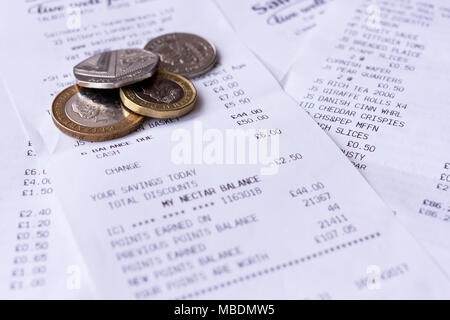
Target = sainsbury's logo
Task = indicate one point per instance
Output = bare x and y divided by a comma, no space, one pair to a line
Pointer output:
285,10
59,6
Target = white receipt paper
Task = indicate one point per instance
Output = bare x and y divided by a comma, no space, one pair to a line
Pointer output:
274,30
40,259
176,211
377,83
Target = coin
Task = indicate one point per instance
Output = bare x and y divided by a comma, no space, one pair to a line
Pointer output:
93,115
115,69
165,95
184,53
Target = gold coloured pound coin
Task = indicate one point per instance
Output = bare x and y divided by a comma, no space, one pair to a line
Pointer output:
165,95
93,115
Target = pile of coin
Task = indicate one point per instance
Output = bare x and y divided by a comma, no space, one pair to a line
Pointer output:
118,89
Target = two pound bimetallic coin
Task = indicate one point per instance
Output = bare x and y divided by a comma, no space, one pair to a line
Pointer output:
184,53
115,69
93,115
165,95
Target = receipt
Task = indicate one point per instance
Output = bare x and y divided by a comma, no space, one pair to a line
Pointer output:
40,259
377,83
245,197
274,30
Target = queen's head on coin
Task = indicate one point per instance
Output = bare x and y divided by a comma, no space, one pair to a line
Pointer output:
160,91
95,108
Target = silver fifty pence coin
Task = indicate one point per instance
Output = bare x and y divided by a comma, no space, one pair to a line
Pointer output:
115,69
183,53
